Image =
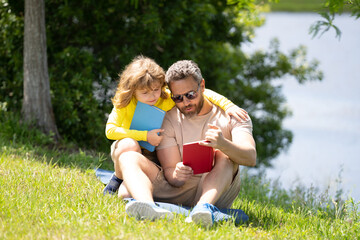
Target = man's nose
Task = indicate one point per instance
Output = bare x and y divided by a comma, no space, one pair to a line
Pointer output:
186,101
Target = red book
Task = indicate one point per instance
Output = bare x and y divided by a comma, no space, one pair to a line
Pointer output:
200,158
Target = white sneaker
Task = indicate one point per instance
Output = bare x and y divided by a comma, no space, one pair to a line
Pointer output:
147,210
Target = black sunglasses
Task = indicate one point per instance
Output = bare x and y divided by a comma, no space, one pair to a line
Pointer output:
189,95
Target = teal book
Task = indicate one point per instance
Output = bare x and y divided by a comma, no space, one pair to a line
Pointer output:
146,118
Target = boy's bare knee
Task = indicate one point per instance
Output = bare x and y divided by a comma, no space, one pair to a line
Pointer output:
129,144
126,145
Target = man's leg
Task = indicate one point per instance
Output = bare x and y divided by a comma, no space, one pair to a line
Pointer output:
218,180
119,147
214,184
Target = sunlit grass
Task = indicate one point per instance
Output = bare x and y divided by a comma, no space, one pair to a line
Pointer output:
48,193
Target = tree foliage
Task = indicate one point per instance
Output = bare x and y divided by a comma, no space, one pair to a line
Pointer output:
90,42
331,8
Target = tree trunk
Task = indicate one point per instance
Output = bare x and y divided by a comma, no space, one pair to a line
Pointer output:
37,108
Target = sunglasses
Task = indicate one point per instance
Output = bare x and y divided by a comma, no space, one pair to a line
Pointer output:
189,95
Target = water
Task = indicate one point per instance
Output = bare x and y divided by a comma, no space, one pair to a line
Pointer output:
326,114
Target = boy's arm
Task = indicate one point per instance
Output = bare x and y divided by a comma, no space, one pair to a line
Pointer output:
118,127
218,99
225,104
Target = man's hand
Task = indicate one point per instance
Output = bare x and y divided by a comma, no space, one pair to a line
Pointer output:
214,137
153,137
182,173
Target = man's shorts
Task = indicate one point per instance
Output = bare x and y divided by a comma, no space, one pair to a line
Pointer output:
190,193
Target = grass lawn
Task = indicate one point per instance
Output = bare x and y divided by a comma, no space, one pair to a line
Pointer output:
301,6
297,6
47,193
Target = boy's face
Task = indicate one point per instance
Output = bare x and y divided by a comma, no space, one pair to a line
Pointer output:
149,96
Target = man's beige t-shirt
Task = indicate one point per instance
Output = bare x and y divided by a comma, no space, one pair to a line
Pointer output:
180,129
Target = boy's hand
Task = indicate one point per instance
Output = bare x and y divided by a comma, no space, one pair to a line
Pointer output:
238,113
153,137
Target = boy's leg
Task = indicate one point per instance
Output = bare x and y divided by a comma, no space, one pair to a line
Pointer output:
117,148
120,147
138,173
112,186
123,192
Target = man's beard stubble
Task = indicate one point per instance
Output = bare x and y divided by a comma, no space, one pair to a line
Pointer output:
198,108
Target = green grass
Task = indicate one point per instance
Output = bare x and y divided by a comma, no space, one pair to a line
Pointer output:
52,193
301,6
297,6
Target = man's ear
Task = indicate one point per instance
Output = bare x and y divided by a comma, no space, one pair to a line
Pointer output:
202,85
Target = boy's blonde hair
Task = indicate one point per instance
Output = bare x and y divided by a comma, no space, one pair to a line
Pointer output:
141,73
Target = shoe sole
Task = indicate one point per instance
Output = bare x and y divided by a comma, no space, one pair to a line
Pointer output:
202,218
142,211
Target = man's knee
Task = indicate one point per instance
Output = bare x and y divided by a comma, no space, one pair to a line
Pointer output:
222,162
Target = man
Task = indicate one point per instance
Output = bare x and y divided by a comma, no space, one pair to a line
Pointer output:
193,119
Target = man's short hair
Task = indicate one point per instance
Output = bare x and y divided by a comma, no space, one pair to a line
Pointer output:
183,69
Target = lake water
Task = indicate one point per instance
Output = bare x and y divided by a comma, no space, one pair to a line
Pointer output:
326,114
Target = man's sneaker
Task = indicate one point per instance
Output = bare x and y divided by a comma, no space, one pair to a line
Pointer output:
202,214
146,210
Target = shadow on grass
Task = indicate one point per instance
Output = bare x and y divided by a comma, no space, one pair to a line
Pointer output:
21,139
58,155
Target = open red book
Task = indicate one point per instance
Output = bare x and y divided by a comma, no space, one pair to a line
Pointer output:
200,158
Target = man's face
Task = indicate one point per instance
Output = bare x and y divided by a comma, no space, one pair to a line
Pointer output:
188,96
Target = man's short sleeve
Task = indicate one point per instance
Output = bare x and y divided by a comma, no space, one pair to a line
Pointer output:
242,126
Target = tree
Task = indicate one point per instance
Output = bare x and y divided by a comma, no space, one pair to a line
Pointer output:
90,42
37,108
331,8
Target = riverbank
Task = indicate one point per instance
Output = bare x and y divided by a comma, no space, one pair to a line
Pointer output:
326,115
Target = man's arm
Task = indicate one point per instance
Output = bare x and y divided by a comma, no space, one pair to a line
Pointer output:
176,173
241,150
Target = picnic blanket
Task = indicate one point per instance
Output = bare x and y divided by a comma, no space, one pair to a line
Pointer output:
224,214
